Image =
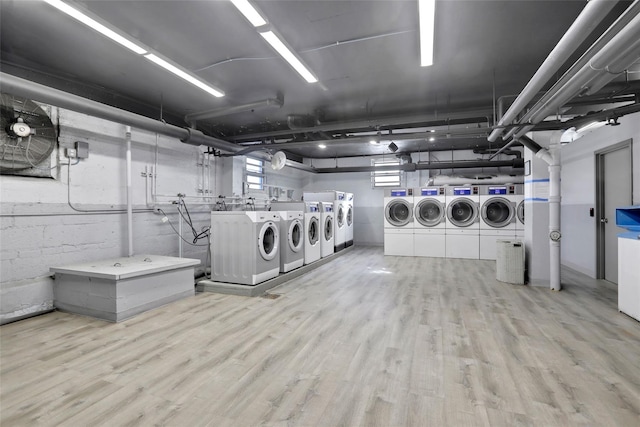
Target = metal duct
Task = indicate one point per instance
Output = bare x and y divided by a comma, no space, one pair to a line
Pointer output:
582,27
18,86
220,112
440,180
411,167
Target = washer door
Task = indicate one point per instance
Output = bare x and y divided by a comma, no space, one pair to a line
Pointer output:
497,212
328,228
268,240
350,216
462,212
313,233
340,216
295,235
520,212
429,212
398,212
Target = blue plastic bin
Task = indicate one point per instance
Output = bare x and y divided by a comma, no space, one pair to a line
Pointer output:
628,217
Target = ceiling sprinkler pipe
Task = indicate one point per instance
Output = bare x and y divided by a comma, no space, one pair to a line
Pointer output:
227,111
582,27
411,167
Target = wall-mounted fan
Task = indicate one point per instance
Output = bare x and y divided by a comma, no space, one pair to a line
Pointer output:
278,160
27,136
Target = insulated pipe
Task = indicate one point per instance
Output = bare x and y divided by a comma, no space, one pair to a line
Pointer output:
129,192
411,167
220,112
554,213
28,89
582,27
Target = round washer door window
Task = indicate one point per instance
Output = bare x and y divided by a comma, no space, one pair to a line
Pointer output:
462,212
497,212
268,240
340,216
313,234
520,211
429,212
328,228
295,235
398,212
350,216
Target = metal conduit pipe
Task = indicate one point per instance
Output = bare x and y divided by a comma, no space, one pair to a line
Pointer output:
582,27
28,89
627,17
220,112
411,167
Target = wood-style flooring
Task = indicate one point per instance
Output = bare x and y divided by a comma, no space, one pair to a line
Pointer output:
366,340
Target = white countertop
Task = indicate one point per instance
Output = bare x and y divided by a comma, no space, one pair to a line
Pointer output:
126,267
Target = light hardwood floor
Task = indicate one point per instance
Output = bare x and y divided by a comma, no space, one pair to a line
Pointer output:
365,340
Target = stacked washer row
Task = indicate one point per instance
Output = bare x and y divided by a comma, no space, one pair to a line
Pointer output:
452,221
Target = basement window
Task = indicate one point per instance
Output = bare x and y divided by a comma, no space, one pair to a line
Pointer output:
386,178
254,173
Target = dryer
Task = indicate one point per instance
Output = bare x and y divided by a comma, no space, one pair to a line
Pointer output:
519,211
429,219
338,198
291,240
349,238
312,231
245,246
398,222
498,217
462,230
326,229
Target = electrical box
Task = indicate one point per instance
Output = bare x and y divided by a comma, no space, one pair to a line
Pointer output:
71,153
82,149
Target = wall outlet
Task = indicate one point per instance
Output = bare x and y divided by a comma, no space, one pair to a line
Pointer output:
71,153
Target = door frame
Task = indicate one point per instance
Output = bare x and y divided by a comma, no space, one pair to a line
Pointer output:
599,211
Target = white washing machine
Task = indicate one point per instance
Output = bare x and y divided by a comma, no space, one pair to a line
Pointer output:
429,222
349,237
291,240
326,227
312,227
245,246
462,230
338,198
498,217
519,212
398,222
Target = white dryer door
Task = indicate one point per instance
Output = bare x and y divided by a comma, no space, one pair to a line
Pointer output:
268,241
520,210
350,216
462,212
340,216
296,235
328,228
429,212
313,231
497,212
398,212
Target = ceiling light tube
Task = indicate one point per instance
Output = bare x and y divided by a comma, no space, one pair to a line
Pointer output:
184,75
289,56
249,12
427,15
99,27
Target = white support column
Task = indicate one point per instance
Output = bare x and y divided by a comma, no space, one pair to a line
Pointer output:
129,193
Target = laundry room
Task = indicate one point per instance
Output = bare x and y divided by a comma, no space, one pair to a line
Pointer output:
249,212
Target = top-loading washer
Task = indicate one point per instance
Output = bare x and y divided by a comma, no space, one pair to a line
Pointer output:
338,198
291,240
312,227
245,246
429,222
326,227
398,221
462,229
349,237
519,197
498,217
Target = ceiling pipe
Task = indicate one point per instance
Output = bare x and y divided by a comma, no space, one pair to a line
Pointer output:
443,118
28,89
226,111
412,167
602,46
583,26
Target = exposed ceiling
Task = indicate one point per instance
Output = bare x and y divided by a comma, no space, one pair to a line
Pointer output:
365,54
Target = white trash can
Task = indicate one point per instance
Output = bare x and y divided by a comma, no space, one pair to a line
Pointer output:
510,261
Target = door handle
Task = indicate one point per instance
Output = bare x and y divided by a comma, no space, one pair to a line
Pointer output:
604,220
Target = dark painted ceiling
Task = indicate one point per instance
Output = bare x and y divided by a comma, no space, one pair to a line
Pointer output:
365,54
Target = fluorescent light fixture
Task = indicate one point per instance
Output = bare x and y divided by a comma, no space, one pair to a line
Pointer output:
432,139
427,14
591,126
102,29
249,12
184,75
293,60
322,146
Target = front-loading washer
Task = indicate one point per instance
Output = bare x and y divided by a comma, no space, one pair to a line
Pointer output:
291,240
398,221
312,228
519,197
338,198
245,246
498,217
326,227
429,220
462,230
349,208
